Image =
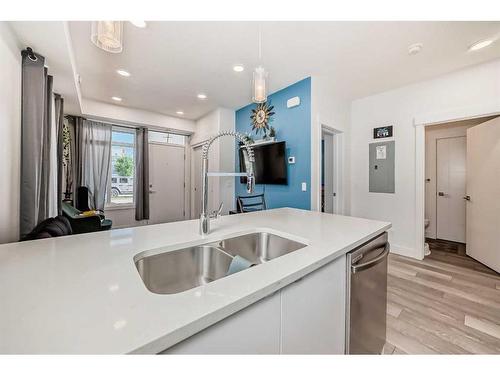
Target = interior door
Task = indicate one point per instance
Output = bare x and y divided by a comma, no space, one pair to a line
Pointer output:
451,175
483,188
166,181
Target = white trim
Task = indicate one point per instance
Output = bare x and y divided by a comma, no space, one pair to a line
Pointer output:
401,250
420,122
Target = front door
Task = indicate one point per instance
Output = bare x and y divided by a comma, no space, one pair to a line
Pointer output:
166,181
483,192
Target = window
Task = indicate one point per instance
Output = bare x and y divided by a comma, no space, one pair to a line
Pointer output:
121,185
169,138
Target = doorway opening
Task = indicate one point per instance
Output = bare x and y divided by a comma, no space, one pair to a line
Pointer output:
453,153
327,172
330,184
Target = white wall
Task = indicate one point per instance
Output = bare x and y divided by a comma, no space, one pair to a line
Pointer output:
328,108
133,116
221,155
10,134
449,97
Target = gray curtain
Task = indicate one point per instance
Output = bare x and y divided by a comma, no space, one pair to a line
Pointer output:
92,159
75,123
59,124
36,134
141,180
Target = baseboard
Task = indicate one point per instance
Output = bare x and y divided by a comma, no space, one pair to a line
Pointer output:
405,251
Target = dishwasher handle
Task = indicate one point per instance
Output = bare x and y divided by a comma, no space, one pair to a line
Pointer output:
363,266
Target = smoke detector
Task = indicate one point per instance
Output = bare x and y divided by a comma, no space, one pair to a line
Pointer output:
415,48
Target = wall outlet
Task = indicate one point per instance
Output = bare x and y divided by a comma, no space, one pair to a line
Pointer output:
304,186
291,160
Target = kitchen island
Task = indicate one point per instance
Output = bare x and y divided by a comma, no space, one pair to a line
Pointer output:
84,294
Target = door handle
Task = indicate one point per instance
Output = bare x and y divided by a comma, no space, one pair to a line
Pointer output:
152,191
467,197
441,194
363,266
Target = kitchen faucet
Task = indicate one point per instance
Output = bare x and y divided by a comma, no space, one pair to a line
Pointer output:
249,160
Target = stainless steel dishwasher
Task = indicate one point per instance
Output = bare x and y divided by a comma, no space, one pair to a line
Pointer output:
367,297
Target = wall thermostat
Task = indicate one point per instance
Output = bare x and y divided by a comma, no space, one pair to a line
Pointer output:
291,160
293,102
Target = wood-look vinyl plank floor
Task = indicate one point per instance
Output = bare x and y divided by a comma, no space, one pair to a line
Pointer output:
447,303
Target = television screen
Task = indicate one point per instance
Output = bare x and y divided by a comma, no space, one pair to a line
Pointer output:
270,165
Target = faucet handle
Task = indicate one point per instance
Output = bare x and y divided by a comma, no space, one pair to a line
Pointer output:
217,212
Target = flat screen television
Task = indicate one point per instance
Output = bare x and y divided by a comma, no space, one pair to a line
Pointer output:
270,165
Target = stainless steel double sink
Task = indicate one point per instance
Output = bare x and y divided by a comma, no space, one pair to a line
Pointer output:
180,270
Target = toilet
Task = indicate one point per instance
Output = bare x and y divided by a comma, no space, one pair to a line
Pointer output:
427,250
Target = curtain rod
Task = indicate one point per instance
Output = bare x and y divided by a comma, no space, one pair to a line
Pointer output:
132,126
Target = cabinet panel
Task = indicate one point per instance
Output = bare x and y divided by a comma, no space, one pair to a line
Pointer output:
313,312
254,330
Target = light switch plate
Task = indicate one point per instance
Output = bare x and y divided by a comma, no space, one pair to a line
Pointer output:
304,186
291,160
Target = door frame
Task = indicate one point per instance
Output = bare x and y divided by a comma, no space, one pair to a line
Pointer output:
335,187
338,168
419,123
186,172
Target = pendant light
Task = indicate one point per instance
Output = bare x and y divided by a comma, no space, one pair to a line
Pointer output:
107,35
259,78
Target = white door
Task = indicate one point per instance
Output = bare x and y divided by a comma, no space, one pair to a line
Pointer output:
166,181
450,203
329,194
483,188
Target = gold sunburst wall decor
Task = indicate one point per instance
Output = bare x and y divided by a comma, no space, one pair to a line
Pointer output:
261,117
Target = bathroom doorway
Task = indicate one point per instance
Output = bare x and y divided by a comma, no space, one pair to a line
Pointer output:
330,171
449,152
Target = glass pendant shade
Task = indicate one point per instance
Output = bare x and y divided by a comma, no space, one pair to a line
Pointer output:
107,35
259,85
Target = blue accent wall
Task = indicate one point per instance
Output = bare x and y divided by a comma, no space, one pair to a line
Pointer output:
292,125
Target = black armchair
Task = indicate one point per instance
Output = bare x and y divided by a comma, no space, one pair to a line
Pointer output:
84,223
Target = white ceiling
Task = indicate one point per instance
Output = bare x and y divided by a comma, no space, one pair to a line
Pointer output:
171,62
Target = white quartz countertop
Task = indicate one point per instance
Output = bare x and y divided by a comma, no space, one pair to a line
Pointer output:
83,294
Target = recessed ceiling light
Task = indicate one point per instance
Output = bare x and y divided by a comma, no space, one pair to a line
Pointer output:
123,73
141,24
415,48
116,98
180,113
481,44
202,96
238,68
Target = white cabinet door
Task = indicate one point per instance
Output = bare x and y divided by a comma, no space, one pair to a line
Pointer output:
254,330
313,312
